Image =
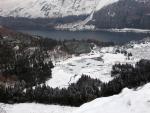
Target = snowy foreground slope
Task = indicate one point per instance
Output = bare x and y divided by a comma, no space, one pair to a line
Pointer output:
129,101
34,108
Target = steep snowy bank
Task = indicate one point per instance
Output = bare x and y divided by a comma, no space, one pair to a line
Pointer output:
129,101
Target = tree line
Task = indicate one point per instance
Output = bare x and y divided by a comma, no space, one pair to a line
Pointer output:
86,89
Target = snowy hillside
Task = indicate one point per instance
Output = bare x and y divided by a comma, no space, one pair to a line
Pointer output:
96,64
129,101
50,8
141,51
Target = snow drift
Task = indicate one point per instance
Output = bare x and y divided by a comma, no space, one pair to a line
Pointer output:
129,101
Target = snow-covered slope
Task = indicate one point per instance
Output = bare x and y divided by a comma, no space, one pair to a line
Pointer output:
129,101
50,8
141,51
96,64
35,108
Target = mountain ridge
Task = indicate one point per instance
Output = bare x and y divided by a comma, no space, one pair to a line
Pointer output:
75,14
50,8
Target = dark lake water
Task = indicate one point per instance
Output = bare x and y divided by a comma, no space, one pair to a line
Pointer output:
119,37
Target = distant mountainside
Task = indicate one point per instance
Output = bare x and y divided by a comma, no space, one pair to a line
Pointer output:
125,13
50,8
75,14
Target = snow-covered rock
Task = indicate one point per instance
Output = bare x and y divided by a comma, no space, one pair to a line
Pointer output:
129,101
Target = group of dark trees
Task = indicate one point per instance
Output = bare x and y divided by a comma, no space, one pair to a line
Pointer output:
33,69
38,23
30,67
86,88
24,57
126,75
124,52
83,46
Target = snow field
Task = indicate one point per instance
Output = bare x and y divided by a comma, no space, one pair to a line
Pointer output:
97,64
